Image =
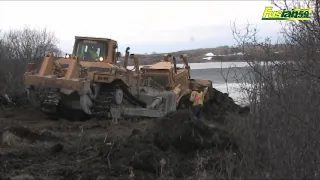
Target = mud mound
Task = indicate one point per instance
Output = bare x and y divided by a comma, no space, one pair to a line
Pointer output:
174,146
27,134
22,177
187,134
171,145
220,105
21,140
11,140
168,148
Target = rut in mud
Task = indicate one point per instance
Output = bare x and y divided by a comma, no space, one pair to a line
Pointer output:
169,147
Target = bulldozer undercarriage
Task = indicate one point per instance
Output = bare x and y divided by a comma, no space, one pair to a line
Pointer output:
109,102
111,99
105,101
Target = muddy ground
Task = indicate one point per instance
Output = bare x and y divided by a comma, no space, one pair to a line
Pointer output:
176,146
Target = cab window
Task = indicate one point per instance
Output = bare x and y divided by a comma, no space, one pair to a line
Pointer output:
90,50
161,80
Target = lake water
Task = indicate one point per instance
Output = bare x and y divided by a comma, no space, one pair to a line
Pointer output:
225,76
216,71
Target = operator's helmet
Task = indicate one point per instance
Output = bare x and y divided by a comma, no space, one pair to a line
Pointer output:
197,87
93,48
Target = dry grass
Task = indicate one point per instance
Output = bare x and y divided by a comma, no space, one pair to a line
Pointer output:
281,137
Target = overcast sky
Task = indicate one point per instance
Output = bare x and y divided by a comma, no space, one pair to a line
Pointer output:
145,26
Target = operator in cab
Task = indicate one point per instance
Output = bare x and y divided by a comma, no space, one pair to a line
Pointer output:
197,97
93,53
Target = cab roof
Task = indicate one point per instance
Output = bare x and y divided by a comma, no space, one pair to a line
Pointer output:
159,65
94,38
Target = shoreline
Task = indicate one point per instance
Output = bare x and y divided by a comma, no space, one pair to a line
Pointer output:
144,63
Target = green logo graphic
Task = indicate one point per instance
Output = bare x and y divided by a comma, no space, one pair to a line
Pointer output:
295,14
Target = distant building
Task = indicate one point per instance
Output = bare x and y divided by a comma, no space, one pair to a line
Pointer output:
209,56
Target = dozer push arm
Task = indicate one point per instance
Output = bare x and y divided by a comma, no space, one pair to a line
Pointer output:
185,60
47,78
205,92
158,108
136,62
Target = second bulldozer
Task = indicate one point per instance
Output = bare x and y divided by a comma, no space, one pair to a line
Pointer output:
89,82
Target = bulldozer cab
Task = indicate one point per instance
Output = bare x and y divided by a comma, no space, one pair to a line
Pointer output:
167,74
160,76
96,49
162,73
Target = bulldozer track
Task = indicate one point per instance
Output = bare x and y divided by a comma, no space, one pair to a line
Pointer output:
43,95
106,98
101,106
48,103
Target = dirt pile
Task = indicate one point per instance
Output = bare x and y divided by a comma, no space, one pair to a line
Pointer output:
166,147
188,135
173,143
221,105
174,146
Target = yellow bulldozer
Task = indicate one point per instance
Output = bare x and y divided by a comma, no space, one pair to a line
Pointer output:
89,82
175,79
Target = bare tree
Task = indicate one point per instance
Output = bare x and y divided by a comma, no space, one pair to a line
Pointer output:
19,47
225,76
280,138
